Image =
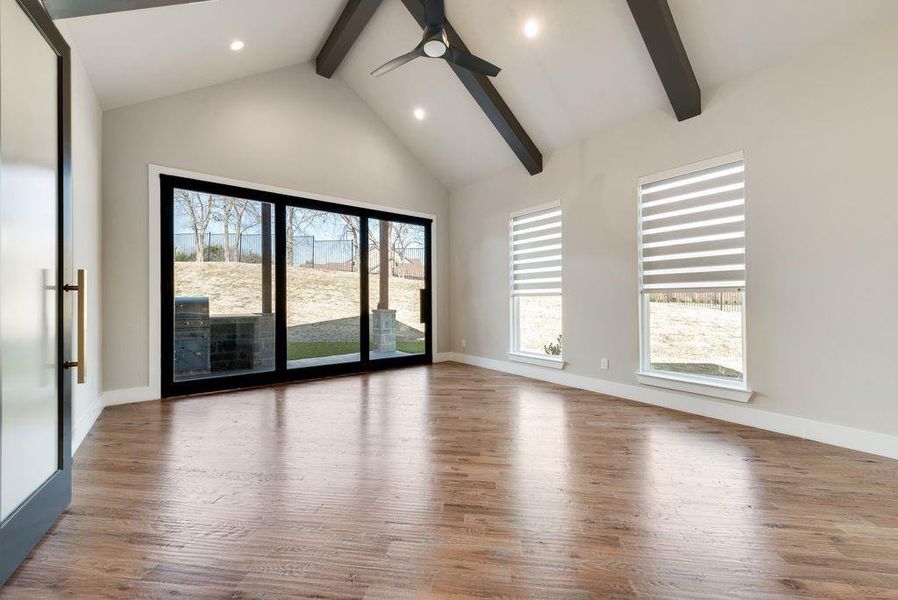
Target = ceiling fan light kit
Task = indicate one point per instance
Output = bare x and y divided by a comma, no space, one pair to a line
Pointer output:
435,48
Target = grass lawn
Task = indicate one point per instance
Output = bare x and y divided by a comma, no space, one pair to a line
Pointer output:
677,346
298,350
313,295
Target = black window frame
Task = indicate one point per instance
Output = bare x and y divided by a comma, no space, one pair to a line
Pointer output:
282,373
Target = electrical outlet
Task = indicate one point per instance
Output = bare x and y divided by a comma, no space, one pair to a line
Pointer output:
604,363
464,343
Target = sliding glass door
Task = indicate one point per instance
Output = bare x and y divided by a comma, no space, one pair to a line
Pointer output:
323,288
224,321
397,297
262,288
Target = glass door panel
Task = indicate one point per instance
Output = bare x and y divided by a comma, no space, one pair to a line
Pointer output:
397,289
29,394
37,283
323,288
224,308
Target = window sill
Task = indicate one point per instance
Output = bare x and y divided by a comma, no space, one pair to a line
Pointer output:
531,359
736,393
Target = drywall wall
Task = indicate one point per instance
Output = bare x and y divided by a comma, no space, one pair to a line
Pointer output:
288,128
819,135
87,136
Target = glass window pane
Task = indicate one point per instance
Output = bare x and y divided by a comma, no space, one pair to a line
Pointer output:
395,292
224,278
323,288
539,324
697,333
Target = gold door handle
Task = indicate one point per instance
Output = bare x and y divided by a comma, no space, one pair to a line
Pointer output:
81,363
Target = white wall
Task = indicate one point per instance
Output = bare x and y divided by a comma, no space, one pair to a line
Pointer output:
820,136
87,122
288,128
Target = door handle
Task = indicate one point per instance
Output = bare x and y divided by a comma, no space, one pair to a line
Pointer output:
81,363
423,305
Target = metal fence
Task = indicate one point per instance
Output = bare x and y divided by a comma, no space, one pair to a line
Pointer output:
730,301
305,251
408,263
330,255
242,248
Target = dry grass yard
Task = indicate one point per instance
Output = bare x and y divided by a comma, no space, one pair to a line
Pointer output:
674,340
674,343
540,324
327,299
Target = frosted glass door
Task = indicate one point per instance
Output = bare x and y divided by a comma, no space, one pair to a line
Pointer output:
29,150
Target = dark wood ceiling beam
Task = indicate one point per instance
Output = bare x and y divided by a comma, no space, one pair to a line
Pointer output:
67,9
659,32
487,97
349,26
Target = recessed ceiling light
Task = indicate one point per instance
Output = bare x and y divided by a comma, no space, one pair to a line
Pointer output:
237,45
531,28
420,113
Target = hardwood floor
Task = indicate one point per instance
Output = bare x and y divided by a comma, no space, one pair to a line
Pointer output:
453,481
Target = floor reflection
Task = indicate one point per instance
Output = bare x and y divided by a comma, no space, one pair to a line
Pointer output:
541,461
698,498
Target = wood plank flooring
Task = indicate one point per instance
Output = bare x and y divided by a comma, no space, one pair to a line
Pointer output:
453,481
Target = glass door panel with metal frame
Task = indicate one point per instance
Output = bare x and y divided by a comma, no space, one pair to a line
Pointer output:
323,288
224,320
397,290
35,233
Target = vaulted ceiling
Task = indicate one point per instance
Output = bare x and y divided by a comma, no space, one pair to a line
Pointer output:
587,68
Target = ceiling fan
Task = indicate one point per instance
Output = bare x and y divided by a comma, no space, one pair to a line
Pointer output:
435,44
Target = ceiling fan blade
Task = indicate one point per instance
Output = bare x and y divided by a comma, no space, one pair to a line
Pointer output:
434,13
470,62
396,62
67,9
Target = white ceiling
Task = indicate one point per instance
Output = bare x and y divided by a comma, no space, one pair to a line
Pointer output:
139,55
588,68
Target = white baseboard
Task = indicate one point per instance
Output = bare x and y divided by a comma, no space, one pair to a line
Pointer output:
442,357
742,414
130,395
84,423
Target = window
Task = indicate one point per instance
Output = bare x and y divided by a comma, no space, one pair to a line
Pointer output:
535,279
692,273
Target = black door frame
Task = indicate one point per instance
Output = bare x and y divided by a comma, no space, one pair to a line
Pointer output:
281,374
25,526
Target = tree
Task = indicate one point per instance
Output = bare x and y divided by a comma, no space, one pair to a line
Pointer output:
383,301
225,207
405,236
299,223
198,208
374,245
292,228
245,215
350,231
